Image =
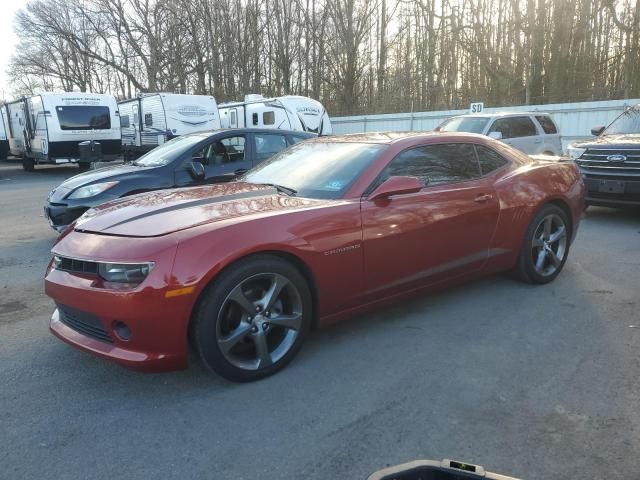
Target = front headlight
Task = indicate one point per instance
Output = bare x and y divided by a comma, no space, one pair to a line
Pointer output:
91,190
575,152
124,273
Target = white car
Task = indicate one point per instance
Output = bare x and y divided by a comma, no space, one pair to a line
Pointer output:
533,133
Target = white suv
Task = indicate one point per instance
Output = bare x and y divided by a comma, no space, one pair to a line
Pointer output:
533,133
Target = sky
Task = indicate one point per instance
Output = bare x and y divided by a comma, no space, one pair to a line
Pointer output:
8,41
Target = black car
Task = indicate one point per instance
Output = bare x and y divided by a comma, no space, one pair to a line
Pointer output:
610,163
207,157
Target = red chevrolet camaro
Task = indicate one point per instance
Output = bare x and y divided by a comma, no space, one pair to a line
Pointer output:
241,272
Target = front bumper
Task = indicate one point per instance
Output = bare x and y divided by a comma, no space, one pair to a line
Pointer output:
158,325
60,216
612,192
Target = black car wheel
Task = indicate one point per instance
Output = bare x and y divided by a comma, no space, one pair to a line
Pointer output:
546,246
253,319
28,164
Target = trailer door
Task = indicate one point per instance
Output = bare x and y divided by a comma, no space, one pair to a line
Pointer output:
137,126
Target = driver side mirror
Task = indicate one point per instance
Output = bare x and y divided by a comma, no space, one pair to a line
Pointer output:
595,131
495,135
196,170
396,186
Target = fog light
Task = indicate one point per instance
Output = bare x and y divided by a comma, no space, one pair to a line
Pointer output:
121,330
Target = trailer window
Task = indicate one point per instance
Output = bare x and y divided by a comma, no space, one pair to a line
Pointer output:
268,118
84,117
255,118
124,121
148,119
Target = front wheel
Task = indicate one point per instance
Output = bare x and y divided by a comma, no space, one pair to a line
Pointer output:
546,246
252,321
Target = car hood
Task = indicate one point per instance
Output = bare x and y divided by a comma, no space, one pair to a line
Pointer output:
162,212
94,176
631,140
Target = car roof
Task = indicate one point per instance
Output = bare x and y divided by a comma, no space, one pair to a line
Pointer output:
500,114
208,133
388,138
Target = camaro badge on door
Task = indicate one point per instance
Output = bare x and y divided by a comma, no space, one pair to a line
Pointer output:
342,250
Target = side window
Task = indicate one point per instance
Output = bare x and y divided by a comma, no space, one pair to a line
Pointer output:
268,145
503,126
124,121
254,117
268,118
547,124
148,119
232,120
219,152
489,160
522,127
435,164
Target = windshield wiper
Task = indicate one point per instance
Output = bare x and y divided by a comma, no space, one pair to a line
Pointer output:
282,189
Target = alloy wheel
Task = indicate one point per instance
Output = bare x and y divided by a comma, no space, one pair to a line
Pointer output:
549,245
259,321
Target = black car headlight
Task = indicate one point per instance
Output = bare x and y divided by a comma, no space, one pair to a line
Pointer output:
130,273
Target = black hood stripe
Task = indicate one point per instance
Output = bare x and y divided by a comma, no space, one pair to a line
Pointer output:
198,203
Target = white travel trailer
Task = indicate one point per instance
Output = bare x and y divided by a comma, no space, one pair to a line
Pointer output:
290,112
4,141
49,128
151,119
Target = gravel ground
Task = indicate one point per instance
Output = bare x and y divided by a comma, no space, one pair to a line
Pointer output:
534,382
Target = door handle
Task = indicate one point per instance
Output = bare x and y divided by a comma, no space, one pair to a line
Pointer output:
240,171
483,198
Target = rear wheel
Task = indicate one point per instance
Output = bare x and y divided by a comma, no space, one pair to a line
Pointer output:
546,246
28,164
253,319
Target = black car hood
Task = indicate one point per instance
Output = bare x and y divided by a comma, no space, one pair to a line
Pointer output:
625,140
95,176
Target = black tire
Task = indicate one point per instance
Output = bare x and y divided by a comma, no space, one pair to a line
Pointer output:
216,309
28,164
526,269
84,166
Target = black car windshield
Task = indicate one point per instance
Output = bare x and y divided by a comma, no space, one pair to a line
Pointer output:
167,153
628,122
316,169
464,124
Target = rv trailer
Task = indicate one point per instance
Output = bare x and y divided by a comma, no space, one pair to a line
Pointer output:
152,119
4,141
49,128
290,112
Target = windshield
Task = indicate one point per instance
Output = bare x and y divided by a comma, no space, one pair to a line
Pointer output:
318,169
167,153
464,124
628,122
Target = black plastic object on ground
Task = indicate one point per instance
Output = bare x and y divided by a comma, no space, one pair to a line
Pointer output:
90,151
433,470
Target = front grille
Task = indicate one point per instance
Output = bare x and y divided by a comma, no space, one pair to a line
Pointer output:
84,323
74,265
594,160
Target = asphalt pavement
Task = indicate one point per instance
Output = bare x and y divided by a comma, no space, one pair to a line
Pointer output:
538,382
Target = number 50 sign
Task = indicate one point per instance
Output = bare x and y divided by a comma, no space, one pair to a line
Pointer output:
476,107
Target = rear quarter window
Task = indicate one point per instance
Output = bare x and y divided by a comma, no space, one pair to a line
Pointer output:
489,160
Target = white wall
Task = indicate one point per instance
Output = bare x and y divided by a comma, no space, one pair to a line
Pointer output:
574,120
